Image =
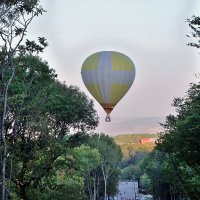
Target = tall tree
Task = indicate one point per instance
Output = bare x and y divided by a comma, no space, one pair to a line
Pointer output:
15,17
110,156
41,112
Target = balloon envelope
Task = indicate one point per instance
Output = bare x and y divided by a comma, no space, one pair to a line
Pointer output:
108,75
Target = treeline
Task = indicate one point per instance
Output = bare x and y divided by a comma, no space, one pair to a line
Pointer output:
44,161
132,138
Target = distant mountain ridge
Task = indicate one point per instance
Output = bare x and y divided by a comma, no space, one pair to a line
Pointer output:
129,126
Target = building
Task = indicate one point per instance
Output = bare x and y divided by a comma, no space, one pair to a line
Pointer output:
147,140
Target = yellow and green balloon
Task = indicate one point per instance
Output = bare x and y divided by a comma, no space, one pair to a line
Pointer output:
108,75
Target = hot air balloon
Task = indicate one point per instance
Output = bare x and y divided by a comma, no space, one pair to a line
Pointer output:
108,75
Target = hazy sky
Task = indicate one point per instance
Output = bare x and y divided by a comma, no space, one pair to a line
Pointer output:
151,32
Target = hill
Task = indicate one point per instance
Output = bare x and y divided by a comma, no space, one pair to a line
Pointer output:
130,144
132,138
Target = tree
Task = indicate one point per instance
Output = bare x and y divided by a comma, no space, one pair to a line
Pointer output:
110,156
15,17
131,167
88,159
113,181
180,141
156,178
41,112
70,172
183,129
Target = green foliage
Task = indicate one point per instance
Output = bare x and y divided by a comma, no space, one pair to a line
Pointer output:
47,162
71,108
194,24
87,159
41,113
131,166
15,17
105,176
172,170
145,182
130,150
132,170
182,136
69,189
44,161
155,168
113,182
174,167
130,144
133,154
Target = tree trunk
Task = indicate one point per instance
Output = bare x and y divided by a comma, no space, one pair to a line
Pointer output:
105,189
94,188
3,136
98,185
4,95
89,189
4,168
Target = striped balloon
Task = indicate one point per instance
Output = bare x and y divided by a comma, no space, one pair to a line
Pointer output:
108,75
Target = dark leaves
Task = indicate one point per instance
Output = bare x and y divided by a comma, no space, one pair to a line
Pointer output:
194,24
32,46
18,31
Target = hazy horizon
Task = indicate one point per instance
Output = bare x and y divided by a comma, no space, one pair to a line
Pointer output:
142,125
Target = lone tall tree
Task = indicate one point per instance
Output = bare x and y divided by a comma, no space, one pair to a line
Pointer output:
15,17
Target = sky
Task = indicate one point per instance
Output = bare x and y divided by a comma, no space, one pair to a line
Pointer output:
151,32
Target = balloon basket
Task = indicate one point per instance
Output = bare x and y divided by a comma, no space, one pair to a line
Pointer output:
108,118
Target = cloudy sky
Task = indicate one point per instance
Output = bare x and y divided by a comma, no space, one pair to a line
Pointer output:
151,32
